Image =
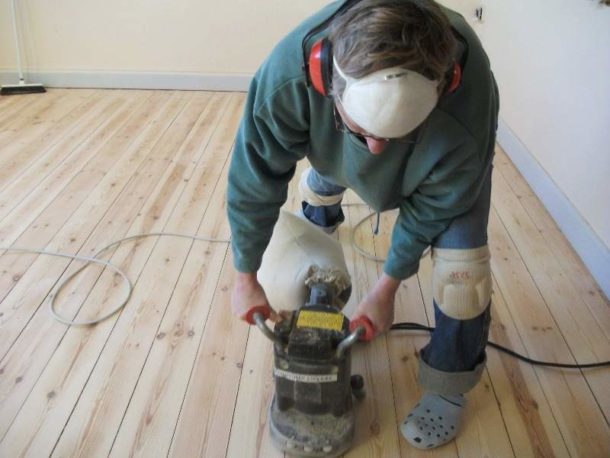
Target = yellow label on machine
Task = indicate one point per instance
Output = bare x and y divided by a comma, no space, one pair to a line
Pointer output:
320,320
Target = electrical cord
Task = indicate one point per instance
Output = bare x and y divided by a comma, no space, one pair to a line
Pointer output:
361,251
419,327
129,287
407,326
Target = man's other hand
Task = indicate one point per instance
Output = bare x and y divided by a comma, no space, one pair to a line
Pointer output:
378,304
248,294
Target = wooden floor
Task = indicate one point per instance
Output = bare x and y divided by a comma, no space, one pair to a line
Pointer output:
173,373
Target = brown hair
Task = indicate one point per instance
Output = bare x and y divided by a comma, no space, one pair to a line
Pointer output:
375,34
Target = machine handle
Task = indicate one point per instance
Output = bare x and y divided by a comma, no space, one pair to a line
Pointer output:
263,310
349,341
365,323
259,319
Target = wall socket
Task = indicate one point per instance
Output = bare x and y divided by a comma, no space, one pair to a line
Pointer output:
478,14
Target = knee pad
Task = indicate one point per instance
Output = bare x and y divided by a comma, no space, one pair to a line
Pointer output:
461,281
309,195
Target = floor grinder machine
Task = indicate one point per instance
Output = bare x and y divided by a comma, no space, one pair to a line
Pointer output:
312,411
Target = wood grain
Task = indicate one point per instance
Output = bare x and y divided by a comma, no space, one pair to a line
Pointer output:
174,374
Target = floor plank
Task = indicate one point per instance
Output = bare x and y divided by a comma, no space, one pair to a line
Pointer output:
58,227
58,156
120,365
574,407
584,335
157,399
35,106
164,171
174,374
564,255
42,128
527,414
114,225
50,129
13,106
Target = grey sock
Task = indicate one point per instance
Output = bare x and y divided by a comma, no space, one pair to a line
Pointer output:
434,421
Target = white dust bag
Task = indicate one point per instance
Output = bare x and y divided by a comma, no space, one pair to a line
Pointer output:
298,255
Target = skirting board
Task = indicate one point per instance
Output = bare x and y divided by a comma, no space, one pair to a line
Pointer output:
140,80
593,252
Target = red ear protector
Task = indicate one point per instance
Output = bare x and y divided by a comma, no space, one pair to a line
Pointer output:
456,78
320,66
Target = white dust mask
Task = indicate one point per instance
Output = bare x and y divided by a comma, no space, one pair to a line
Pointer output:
388,103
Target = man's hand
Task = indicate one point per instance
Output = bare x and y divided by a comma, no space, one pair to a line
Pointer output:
378,305
247,294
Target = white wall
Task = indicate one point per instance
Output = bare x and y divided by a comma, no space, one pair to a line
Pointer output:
552,61
228,37
6,37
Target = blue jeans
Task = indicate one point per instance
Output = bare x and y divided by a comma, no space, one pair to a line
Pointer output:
325,216
453,361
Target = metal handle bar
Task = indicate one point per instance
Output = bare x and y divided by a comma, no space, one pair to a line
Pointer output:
349,341
260,322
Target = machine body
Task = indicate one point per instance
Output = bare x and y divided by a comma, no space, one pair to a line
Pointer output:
312,412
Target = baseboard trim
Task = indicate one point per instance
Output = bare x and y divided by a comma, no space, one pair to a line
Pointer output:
593,252
137,80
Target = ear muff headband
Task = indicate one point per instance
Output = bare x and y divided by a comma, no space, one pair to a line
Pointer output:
318,65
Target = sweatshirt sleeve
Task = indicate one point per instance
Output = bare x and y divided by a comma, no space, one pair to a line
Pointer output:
449,190
272,137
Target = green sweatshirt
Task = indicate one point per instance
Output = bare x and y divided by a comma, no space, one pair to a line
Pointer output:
431,182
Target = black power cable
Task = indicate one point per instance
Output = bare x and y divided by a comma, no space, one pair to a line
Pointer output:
420,327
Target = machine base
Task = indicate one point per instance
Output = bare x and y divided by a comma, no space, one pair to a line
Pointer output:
303,435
